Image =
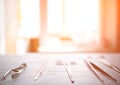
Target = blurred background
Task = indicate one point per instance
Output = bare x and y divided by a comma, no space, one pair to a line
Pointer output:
33,26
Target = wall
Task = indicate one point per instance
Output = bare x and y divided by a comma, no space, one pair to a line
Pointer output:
109,25
118,26
43,22
2,26
11,25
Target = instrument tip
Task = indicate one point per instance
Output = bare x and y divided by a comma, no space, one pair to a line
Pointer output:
72,81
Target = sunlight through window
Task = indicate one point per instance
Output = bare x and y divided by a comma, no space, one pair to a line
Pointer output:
29,23
30,18
78,19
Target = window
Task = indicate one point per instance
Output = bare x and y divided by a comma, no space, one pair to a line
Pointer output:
75,15
74,22
78,19
29,17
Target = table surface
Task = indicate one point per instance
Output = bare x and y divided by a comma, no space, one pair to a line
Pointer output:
56,74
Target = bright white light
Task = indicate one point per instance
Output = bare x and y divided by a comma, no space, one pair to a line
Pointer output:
79,15
30,14
78,18
30,23
54,18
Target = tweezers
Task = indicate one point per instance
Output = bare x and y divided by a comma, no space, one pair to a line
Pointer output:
94,71
110,65
102,71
